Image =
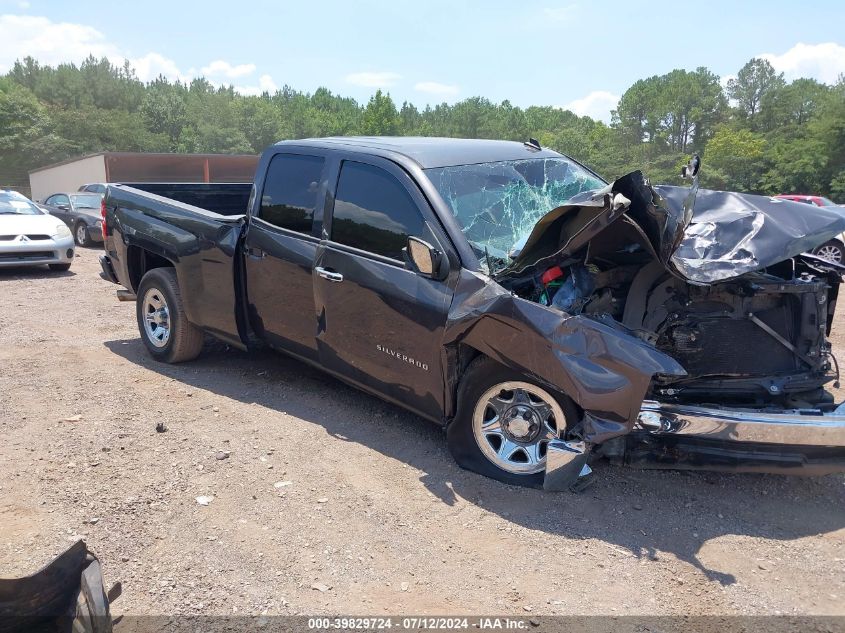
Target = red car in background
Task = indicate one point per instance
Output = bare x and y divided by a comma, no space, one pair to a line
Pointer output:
819,201
834,249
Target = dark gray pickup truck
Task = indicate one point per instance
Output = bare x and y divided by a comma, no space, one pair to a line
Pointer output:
542,315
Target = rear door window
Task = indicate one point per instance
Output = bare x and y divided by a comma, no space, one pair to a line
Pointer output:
290,191
374,212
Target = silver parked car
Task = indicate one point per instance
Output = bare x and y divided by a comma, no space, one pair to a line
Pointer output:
31,237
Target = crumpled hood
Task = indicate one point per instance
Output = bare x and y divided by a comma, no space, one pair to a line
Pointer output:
701,235
735,233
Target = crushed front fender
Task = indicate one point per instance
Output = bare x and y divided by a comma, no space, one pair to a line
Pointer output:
604,369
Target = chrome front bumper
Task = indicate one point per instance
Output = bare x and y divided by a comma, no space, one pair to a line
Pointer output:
690,437
797,428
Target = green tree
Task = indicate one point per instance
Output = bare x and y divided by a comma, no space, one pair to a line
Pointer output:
639,114
259,120
752,83
792,105
837,187
27,137
164,110
332,115
410,120
732,160
380,116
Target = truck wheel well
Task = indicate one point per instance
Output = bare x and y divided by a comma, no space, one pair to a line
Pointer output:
140,261
459,357
464,356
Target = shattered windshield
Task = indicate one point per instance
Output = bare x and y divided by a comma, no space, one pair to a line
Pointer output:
497,204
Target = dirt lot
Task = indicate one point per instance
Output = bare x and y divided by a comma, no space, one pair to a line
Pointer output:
376,518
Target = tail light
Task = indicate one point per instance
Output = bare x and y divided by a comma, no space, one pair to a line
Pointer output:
103,216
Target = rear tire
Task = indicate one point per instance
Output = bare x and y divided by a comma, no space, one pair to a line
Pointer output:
504,422
167,334
80,234
59,267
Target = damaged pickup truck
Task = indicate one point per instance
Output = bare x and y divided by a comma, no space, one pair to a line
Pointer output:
543,316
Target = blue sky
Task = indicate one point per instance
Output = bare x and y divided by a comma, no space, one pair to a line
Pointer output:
580,54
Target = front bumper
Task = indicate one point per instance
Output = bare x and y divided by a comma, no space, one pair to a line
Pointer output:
794,442
36,252
745,426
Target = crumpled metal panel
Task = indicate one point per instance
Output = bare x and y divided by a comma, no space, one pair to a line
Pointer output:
600,365
731,234
703,236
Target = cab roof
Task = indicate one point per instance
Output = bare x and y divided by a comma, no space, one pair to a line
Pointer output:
430,152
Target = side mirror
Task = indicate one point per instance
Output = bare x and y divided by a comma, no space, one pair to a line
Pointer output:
63,207
426,259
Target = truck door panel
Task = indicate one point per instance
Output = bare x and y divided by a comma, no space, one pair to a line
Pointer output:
380,323
279,252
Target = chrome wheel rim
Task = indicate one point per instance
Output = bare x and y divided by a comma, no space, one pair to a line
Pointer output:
831,253
80,234
156,317
513,423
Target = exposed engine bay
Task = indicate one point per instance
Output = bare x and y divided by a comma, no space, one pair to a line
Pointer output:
642,262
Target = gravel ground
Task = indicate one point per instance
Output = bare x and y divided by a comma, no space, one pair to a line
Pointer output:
327,501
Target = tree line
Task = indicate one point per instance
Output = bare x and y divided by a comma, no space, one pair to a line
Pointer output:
758,133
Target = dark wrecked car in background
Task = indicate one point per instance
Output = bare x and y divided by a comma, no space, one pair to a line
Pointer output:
543,316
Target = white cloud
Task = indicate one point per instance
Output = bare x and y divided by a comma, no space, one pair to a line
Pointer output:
265,84
373,80
559,14
596,105
152,65
23,4
53,43
437,88
824,62
220,67
49,42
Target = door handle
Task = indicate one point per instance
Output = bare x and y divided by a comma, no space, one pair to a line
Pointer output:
331,275
255,253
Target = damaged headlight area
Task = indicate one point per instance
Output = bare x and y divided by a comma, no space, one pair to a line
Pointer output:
756,339
716,280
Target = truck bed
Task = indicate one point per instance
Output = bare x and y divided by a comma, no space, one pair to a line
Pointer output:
201,244
223,198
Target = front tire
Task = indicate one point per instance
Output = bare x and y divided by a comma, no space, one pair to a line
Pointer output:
80,234
167,334
504,423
